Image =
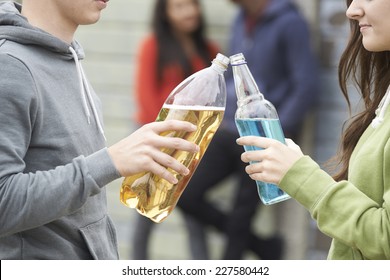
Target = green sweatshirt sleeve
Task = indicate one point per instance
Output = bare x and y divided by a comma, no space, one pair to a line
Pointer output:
341,210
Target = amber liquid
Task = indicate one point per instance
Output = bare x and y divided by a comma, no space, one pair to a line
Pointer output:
155,197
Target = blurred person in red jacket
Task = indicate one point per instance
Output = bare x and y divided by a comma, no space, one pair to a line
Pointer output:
176,48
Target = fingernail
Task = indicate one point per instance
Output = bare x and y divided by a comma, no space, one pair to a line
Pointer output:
175,181
194,127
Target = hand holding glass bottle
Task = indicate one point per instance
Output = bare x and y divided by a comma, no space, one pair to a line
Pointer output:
256,116
271,160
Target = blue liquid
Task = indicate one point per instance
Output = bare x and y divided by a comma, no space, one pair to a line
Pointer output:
270,128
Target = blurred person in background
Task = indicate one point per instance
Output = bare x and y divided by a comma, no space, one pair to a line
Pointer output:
176,48
274,37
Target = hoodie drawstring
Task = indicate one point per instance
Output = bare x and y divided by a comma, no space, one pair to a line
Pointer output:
86,93
380,112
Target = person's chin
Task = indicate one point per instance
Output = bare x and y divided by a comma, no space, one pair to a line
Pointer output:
371,46
91,19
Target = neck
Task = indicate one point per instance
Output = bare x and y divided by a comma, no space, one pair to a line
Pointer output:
46,16
255,8
186,42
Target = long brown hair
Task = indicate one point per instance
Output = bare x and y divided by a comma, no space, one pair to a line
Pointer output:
170,49
370,71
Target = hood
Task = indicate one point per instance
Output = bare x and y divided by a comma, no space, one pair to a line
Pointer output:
15,27
275,8
381,110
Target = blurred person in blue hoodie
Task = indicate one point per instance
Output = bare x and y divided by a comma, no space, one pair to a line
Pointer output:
275,39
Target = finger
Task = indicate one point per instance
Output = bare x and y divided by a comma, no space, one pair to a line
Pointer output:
168,125
257,177
258,173
254,168
257,141
253,156
290,143
177,144
169,162
254,172
162,172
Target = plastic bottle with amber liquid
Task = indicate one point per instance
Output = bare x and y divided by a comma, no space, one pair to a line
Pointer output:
256,116
201,100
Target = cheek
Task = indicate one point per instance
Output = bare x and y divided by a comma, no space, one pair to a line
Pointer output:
381,38
376,41
174,17
386,38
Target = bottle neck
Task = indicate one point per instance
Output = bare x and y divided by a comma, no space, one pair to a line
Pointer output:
245,84
218,66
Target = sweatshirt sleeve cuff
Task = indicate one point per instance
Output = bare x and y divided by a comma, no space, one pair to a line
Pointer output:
306,182
101,167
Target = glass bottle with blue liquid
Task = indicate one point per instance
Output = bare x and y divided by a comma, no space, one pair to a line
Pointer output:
256,116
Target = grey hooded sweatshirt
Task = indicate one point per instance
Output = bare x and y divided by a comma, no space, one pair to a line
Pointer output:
53,160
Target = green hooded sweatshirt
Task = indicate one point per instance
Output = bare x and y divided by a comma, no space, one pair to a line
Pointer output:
355,212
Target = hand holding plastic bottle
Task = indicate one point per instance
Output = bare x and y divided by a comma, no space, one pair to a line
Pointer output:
141,151
200,99
272,161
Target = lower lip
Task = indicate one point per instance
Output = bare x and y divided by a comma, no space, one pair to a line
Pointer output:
102,4
363,28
